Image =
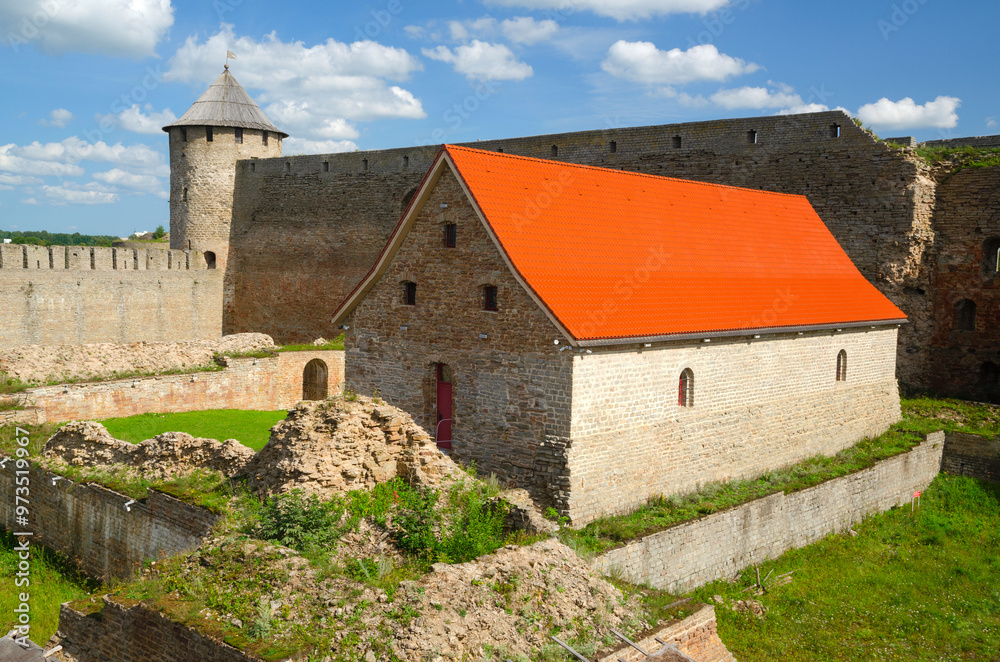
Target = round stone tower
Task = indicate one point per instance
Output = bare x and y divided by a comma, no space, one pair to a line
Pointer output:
223,126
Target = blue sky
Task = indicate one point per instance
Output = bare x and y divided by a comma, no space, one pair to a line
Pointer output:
88,83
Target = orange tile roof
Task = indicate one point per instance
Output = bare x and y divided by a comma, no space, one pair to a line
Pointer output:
617,255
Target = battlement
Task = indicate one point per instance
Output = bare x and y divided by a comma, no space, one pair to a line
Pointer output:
98,258
749,135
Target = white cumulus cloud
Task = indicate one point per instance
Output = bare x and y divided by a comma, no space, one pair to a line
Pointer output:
20,180
907,114
130,28
141,183
11,161
139,157
79,196
305,88
59,117
623,10
526,30
301,146
135,120
756,97
643,62
480,60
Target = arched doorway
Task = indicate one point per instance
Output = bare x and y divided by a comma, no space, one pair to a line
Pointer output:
444,381
314,380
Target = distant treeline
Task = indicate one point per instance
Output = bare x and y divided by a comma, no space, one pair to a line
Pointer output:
43,238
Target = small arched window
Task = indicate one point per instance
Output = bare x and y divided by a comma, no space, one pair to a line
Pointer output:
965,315
991,257
685,389
490,301
409,293
842,366
210,259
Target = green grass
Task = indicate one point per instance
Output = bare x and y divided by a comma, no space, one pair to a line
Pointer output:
663,512
914,586
963,157
251,428
335,344
53,581
10,384
927,414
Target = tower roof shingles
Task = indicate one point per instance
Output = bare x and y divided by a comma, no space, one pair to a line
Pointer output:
226,103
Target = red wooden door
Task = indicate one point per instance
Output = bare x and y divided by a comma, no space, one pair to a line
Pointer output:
444,409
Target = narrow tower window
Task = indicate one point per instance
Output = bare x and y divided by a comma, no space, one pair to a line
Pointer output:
842,366
209,135
239,135
555,151
685,389
406,162
326,166
184,135
613,147
965,315
752,137
834,130
184,194
450,235
409,294
677,142
263,138
490,298
364,164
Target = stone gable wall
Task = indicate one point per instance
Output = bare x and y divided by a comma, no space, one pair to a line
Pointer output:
759,404
89,524
694,553
75,295
511,389
306,229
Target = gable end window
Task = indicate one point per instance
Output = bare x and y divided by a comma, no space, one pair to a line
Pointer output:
450,235
685,389
490,298
842,366
409,294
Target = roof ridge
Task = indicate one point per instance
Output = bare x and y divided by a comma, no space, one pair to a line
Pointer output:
581,166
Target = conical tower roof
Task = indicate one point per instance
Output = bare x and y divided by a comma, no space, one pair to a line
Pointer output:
226,103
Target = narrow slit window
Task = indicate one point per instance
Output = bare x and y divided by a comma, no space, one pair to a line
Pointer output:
406,162
239,136
842,366
685,389
263,138
209,134
326,166
555,151
184,135
364,164
752,137
677,142
490,298
450,235
834,130
613,147
409,294
184,194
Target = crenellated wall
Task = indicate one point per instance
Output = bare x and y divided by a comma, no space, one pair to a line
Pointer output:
74,294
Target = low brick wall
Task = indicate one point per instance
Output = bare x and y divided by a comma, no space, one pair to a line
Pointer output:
136,634
89,524
262,384
694,553
695,636
972,455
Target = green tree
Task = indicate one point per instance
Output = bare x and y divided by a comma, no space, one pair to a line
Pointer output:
159,232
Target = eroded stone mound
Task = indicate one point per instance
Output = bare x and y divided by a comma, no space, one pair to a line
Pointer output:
338,445
89,444
38,364
508,601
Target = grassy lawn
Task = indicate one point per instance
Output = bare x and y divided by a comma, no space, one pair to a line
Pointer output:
911,586
52,583
251,428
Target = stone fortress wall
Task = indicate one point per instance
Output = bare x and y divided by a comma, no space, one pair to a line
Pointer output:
75,295
306,229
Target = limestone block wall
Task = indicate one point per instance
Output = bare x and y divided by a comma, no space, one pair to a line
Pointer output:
694,553
306,229
695,636
267,384
972,455
91,526
511,385
966,360
131,633
759,404
73,295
